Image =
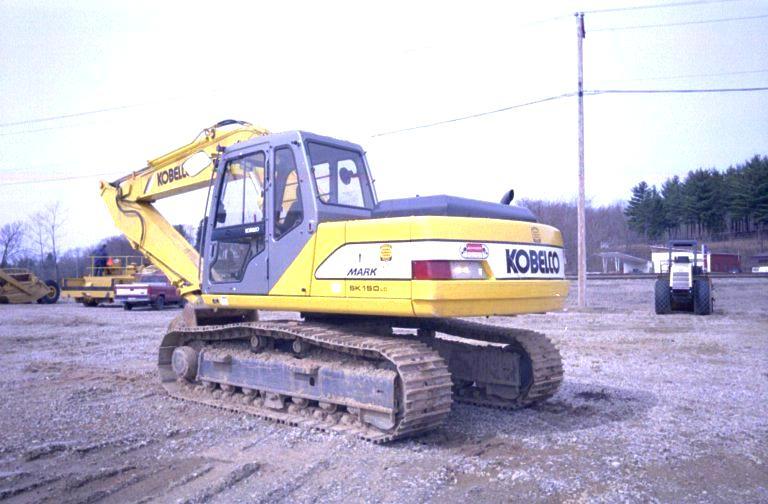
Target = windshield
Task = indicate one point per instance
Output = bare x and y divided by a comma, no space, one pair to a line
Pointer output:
242,194
340,176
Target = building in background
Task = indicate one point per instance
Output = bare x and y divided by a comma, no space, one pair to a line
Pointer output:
619,262
762,263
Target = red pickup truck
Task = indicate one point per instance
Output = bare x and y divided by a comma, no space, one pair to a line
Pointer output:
151,289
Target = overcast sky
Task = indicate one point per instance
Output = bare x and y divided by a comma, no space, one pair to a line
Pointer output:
353,70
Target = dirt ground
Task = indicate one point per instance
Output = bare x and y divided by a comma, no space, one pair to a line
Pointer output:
653,409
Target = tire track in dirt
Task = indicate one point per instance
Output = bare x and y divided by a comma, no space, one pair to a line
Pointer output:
13,492
221,485
284,492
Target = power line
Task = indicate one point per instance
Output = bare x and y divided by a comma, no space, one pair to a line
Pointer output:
479,114
36,168
532,23
593,92
682,23
431,124
567,95
672,91
672,77
67,116
658,6
98,111
38,130
56,179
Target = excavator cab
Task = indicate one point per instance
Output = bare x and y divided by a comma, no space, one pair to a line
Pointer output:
269,196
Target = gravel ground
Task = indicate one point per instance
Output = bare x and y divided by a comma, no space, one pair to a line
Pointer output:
653,409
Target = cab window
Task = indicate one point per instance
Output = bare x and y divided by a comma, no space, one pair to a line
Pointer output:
340,176
288,205
242,194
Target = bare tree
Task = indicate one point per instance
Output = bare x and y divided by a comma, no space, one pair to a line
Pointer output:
38,241
11,241
607,227
46,226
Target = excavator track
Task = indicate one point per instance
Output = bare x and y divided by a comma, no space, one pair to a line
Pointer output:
422,385
491,366
540,364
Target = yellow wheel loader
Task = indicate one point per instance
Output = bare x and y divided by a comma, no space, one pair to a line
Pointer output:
293,223
19,285
97,286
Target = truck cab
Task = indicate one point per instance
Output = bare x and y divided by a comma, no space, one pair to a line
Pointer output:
150,289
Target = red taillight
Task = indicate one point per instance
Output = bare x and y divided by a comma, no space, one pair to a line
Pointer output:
431,270
447,270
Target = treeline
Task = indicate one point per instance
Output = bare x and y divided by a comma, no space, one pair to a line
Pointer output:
606,228
706,205
35,244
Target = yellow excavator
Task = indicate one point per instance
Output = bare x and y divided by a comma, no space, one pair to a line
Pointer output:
292,223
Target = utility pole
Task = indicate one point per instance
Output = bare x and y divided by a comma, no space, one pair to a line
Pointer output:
582,243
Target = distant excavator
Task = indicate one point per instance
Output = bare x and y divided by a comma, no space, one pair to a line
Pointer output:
293,223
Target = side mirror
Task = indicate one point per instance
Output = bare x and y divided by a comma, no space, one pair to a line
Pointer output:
346,176
221,216
508,197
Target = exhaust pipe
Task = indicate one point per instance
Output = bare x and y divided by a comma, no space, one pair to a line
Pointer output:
508,197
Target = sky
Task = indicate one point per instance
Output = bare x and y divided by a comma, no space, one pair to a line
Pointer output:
159,72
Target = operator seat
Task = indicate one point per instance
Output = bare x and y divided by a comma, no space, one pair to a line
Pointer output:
292,217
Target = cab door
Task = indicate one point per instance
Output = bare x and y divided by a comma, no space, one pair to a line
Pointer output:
292,215
236,253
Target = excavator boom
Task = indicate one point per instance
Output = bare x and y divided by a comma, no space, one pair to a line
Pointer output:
130,199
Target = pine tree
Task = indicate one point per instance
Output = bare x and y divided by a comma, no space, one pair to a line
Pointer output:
737,198
636,210
657,222
672,196
757,170
703,201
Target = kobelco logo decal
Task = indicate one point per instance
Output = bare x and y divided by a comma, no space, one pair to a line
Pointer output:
541,261
171,175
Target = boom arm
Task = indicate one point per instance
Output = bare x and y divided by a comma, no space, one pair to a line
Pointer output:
129,200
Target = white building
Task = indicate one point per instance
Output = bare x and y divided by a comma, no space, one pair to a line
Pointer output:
619,262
